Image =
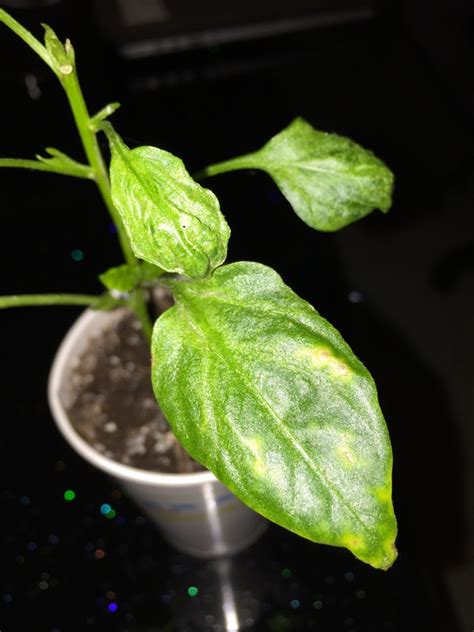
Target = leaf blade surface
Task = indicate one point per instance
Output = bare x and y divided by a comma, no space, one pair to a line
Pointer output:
266,394
329,180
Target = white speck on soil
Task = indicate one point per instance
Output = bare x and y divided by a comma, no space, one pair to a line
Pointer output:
113,407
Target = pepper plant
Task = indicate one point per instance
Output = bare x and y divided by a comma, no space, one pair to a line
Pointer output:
256,385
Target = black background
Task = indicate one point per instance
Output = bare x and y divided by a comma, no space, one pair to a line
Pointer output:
399,83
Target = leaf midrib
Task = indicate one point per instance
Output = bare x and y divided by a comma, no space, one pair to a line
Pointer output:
302,165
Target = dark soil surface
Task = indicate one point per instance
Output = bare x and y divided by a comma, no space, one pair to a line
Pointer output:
113,406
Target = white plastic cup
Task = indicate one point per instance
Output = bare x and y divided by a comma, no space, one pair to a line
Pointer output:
196,513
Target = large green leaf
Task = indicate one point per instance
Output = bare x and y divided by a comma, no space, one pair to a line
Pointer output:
329,180
264,392
171,220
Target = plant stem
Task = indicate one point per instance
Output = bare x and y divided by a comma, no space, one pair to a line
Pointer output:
139,306
67,75
92,150
94,156
36,165
30,300
27,37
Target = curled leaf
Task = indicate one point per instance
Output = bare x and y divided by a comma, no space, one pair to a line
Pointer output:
171,220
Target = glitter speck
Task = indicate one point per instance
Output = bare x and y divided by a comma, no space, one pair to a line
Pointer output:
53,539
193,591
69,495
110,595
7,598
112,607
32,546
25,501
99,554
43,585
286,572
77,254
295,603
349,576
355,297
105,509
317,604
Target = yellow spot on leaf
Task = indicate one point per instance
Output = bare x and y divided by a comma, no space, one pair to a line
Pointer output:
383,494
352,542
255,447
322,358
347,455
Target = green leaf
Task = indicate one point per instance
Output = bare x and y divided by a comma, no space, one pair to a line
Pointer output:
171,220
125,277
329,180
265,393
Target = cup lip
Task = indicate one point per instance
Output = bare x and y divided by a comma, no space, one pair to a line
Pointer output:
62,362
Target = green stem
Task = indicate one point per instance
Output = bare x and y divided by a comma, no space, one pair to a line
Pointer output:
234,164
139,306
67,76
36,165
91,147
27,37
30,300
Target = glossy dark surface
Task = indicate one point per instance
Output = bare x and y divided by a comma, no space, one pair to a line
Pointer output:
63,563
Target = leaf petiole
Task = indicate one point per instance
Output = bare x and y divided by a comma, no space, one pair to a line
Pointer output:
234,164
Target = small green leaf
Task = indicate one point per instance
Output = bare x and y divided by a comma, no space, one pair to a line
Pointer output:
328,179
61,54
125,278
61,163
171,220
265,393
121,278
